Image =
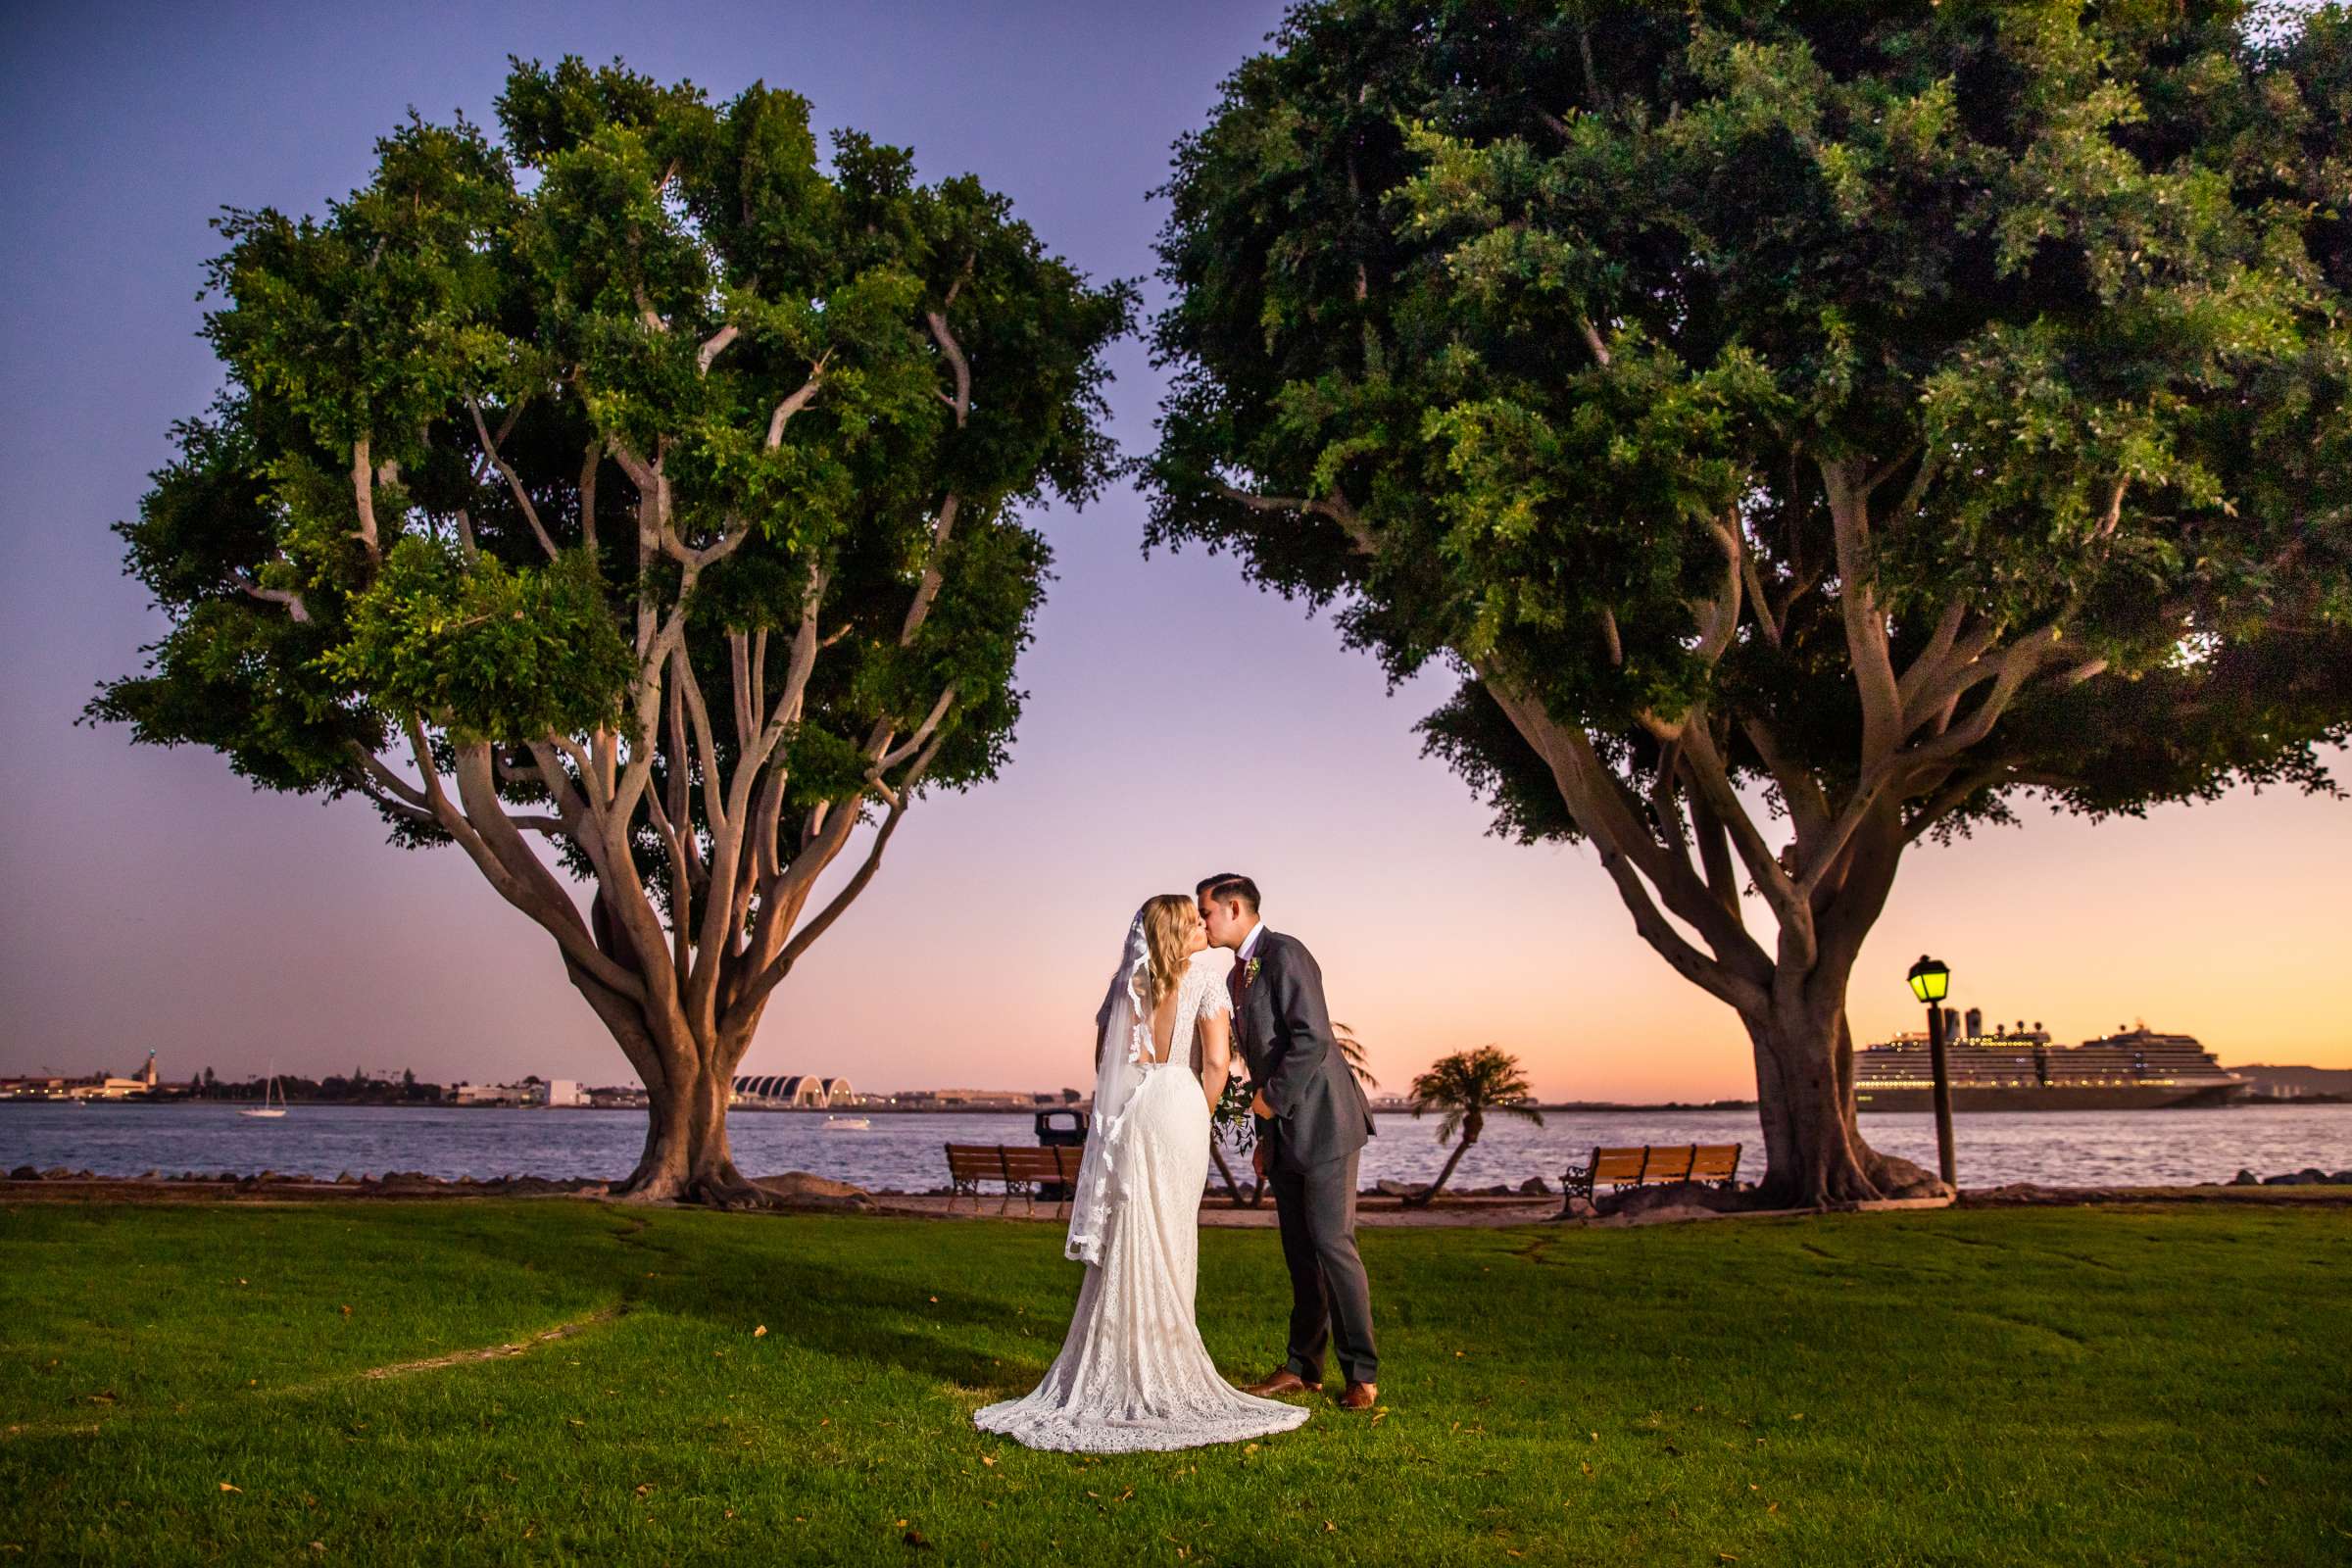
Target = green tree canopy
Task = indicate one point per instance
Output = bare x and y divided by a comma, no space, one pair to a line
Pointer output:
1878,412
643,482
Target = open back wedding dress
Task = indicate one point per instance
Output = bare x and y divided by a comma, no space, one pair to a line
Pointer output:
1133,1373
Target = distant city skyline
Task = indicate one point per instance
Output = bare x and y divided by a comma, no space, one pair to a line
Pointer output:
1178,721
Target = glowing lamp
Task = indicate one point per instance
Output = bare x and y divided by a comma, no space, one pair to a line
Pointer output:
1929,979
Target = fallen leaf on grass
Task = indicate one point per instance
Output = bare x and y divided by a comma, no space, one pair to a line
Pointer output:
761,1332
347,1309
1328,1527
225,1487
988,1459
914,1538
644,1489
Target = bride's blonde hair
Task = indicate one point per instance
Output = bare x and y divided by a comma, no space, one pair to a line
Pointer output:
1168,922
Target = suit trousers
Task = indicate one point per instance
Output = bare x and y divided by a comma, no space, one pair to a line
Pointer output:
1330,1298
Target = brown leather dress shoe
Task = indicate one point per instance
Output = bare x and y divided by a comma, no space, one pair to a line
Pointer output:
1358,1396
1282,1381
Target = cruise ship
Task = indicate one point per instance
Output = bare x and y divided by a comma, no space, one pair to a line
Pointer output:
2019,1069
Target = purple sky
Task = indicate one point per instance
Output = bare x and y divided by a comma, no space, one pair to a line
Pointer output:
1180,722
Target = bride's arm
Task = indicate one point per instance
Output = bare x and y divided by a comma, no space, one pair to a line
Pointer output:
1216,1056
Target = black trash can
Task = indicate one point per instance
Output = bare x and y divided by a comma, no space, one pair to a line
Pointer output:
1064,1127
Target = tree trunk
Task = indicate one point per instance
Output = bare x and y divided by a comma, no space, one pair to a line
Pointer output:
687,1159
1461,1147
1815,1153
687,1077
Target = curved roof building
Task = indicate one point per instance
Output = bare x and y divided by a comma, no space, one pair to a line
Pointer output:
792,1089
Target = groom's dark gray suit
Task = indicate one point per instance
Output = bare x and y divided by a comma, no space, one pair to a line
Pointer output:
1313,1142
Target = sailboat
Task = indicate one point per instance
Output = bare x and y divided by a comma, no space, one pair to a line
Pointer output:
265,1109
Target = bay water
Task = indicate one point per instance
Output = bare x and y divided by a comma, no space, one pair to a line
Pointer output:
903,1152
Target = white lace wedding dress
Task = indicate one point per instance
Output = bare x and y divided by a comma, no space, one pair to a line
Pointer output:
1133,1373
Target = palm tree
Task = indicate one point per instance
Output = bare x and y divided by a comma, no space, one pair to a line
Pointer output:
1353,1051
1465,1086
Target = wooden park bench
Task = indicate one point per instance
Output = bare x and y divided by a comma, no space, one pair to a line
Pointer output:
1021,1168
1655,1163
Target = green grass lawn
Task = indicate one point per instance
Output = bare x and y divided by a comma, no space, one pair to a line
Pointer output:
2114,1386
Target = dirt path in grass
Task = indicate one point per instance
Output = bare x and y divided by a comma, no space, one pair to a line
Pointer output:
493,1353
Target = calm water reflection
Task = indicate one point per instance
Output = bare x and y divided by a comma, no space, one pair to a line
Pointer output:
2064,1148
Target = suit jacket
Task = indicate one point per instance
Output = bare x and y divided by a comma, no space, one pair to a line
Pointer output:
1320,1112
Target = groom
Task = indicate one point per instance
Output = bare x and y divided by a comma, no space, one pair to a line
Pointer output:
1312,1120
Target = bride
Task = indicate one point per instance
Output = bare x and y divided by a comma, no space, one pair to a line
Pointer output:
1133,1373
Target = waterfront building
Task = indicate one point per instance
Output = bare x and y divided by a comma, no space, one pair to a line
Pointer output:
791,1091
972,1098
100,1085
490,1094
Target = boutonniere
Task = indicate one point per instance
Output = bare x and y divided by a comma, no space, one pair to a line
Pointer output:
1250,971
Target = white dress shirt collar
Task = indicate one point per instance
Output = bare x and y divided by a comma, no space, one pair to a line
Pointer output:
1240,955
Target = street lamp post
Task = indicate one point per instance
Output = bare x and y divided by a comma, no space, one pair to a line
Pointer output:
1930,981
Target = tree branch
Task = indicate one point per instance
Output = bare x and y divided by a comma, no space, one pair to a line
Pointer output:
783,412
588,467
923,733
1593,340
556,914
275,595
1865,624
362,488
713,345
522,499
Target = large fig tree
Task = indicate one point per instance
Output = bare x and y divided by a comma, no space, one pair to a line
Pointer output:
634,502
1806,427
